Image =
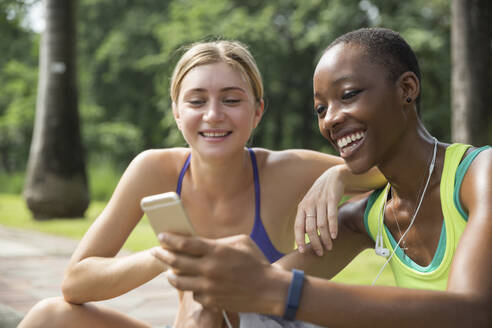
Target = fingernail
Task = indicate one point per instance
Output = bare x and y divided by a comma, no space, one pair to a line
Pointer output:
301,249
170,275
319,252
333,235
160,236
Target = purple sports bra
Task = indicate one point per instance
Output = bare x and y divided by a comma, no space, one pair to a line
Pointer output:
259,234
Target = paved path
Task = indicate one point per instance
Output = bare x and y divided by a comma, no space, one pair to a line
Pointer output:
31,268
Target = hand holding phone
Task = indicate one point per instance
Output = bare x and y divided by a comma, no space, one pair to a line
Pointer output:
166,214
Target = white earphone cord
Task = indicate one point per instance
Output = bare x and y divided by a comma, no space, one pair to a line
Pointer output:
431,168
226,318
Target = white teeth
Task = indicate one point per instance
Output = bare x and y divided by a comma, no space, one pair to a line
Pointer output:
214,134
344,141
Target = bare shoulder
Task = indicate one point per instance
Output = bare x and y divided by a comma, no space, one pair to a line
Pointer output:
161,159
476,190
295,160
156,168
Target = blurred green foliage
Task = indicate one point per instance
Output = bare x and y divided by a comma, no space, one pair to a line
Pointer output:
126,50
18,79
103,178
12,182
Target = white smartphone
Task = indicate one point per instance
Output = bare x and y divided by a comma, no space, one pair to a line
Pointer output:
166,214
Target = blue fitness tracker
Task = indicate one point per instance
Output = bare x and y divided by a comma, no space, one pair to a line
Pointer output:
294,295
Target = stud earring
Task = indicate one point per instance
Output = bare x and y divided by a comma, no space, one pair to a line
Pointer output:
409,100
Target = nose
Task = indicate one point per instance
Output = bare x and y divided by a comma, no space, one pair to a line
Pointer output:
333,117
213,112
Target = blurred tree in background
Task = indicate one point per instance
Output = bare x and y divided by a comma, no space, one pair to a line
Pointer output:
128,48
472,71
56,182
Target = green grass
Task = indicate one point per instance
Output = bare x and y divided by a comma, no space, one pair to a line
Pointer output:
14,213
103,176
11,183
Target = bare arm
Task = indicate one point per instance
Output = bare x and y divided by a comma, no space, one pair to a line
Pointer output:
99,278
94,273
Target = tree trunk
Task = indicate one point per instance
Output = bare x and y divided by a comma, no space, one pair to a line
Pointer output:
471,58
56,183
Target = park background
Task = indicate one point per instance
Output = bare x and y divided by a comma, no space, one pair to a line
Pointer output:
123,53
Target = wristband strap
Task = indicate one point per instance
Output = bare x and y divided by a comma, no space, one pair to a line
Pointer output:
294,295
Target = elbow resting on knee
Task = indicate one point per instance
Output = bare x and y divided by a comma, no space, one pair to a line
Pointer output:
69,293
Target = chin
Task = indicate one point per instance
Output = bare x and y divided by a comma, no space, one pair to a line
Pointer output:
217,153
358,167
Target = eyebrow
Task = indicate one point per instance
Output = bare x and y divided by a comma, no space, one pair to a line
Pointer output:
221,90
233,89
341,79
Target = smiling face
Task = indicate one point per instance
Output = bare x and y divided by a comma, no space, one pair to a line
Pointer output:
359,109
216,109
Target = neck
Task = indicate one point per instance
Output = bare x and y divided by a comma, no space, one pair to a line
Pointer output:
221,178
406,164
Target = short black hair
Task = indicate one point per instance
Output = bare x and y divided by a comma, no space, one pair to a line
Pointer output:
387,48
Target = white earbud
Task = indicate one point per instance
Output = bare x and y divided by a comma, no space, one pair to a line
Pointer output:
379,249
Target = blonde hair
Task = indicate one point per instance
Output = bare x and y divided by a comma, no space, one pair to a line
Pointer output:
233,53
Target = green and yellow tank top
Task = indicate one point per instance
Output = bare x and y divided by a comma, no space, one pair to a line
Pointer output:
407,273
